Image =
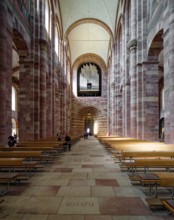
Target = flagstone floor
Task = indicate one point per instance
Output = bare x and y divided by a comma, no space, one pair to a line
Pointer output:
82,184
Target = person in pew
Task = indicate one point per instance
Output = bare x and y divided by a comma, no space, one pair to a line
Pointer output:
59,136
11,141
15,136
67,142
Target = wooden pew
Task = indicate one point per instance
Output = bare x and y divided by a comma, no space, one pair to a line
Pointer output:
39,144
46,150
105,137
144,154
164,179
7,178
110,141
43,149
18,154
148,163
25,154
169,205
55,145
131,144
13,163
141,146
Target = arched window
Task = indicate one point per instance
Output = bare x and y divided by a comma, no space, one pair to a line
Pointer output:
89,80
50,27
38,7
56,41
162,99
13,99
48,18
47,15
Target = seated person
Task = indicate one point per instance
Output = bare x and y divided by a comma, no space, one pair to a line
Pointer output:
11,141
68,141
59,137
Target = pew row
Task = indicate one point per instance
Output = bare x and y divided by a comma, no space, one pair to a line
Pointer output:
163,179
31,155
7,178
13,164
129,155
169,205
146,164
119,144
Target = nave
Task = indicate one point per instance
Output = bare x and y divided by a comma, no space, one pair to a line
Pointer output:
85,183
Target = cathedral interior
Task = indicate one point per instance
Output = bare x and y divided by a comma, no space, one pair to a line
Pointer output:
105,67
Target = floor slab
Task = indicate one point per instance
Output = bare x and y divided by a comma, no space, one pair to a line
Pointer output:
79,205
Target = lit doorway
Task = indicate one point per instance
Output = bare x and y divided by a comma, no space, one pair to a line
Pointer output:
89,124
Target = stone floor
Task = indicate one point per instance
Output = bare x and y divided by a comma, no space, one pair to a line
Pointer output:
82,184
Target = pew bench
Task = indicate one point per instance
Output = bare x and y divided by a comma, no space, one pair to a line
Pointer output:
55,147
146,164
7,178
169,205
163,179
49,150
129,155
31,155
14,164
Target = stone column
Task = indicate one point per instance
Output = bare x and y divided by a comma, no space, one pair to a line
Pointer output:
43,89
43,46
141,56
36,51
26,99
65,87
126,85
56,102
54,128
118,101
132,45
151,101
112,87
49,105
108,102
169,73
6,74
133,96
112,113
37,100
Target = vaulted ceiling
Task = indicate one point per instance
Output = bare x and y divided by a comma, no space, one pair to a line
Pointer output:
88,26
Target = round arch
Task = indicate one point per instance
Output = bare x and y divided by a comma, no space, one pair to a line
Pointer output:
89,115
155,46
89,20
89,109
155,80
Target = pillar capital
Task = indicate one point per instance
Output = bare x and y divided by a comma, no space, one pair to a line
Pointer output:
132,44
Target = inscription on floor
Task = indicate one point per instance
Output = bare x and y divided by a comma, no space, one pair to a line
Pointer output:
78,205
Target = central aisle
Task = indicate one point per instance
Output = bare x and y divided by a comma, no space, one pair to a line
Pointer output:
82,184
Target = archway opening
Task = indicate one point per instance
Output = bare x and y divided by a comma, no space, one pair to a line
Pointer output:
89,124
155,79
